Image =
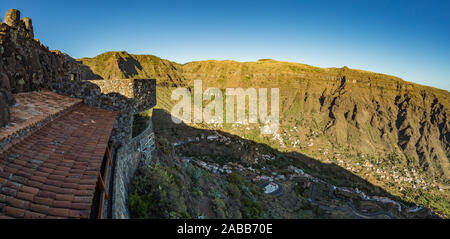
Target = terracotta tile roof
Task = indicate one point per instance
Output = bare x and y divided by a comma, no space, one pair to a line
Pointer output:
53,172
34,109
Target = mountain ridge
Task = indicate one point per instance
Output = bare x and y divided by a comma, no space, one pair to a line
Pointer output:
91,61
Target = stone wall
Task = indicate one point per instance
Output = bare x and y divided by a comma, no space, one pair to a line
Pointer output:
121,86
141,91
138,154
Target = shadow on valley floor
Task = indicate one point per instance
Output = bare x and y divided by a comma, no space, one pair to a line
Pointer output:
193,142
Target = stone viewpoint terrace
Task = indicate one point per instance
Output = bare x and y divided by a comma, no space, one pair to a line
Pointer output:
57,170
33,109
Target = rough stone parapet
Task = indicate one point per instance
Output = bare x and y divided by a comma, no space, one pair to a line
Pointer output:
138,154
140,91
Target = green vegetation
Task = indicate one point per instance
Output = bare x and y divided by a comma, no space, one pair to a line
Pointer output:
235,179
251,209
234,191
139,207
156,194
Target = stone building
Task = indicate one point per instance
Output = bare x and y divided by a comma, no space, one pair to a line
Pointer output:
43,90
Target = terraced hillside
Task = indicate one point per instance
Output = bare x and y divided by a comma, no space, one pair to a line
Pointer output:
392,133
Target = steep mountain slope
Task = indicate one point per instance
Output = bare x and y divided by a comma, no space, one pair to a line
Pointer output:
393,133
121,65
370,112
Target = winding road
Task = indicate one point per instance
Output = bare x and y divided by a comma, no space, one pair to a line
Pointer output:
351,208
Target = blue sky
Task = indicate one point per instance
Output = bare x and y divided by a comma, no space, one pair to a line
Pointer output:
409,39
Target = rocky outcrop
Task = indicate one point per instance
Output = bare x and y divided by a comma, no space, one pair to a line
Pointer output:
12,18
27,65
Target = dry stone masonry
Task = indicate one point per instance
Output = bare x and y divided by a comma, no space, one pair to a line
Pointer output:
138,154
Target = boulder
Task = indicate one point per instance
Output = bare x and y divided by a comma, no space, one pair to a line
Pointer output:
12,17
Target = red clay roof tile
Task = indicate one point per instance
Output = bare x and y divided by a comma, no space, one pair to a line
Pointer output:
14,212
33,215
62,204
64,197
39,208
59,212
25,196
